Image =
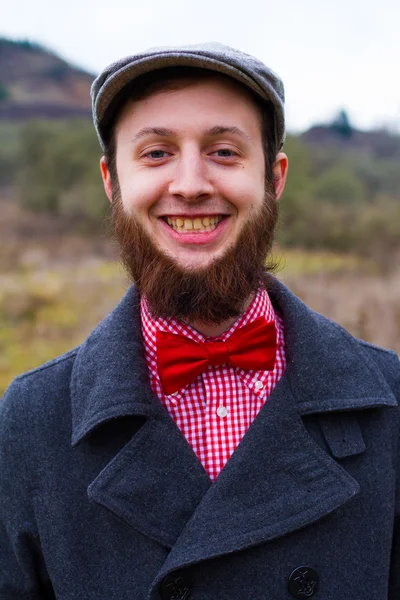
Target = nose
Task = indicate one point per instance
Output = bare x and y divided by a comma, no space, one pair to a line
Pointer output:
191,179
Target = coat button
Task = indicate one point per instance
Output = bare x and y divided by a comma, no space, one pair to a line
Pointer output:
175,587
303,582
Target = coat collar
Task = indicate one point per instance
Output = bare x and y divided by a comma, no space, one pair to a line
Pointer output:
109,377
327,369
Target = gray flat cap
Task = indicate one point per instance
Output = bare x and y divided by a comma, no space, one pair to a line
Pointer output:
246,69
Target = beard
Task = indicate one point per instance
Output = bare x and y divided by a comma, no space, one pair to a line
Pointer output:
209,295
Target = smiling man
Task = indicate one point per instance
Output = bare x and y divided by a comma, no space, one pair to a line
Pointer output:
213,438
193,208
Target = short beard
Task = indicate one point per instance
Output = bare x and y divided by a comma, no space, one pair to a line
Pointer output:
209,295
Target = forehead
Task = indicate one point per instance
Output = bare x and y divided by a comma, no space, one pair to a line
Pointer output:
193,100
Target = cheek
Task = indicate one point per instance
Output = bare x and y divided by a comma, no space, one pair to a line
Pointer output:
140,188
139,192
247,194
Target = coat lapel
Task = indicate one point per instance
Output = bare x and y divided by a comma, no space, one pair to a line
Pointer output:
278,479
156,481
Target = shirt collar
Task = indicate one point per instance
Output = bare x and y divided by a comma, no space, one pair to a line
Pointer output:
260,306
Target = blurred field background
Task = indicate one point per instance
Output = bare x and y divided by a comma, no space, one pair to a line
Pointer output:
338,241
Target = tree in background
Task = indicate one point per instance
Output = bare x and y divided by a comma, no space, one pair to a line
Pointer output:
59,170
341,125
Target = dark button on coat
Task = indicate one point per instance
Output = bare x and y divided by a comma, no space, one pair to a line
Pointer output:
102,498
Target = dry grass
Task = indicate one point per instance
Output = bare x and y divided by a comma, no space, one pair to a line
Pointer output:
44,312
366,305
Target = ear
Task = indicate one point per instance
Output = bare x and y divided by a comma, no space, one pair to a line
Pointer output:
280,169
105,173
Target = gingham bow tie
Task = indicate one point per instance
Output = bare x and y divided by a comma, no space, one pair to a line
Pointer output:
180,360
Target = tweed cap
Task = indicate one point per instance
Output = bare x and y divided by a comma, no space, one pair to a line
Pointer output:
246,69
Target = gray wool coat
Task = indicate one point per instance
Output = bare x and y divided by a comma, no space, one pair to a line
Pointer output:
102,498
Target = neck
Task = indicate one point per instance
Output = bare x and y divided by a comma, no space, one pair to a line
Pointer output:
213,329
217,329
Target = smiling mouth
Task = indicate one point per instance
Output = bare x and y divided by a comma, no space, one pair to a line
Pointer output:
196,225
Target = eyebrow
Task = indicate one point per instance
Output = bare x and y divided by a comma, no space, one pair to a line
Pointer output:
214,131
221,129
160,131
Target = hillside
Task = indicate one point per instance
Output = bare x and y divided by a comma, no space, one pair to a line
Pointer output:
35,82
379,144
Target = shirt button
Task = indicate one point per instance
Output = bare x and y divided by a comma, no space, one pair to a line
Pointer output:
222,411
259,385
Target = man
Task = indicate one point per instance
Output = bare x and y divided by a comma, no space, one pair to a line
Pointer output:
213,438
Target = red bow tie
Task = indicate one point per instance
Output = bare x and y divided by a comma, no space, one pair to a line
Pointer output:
180,360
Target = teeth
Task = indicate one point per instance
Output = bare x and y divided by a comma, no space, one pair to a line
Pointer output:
204,224
197,224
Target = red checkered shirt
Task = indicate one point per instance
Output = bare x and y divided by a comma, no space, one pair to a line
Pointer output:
215,410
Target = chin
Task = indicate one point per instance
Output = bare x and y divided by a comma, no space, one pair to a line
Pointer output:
194,265
192,262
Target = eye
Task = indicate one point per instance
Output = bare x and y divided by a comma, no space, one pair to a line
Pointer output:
157,154
225,153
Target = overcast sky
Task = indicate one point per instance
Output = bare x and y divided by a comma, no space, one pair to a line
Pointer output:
331,54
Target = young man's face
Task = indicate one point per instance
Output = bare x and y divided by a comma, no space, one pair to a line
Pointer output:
190,166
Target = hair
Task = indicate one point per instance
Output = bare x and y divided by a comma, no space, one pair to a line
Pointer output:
174,78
